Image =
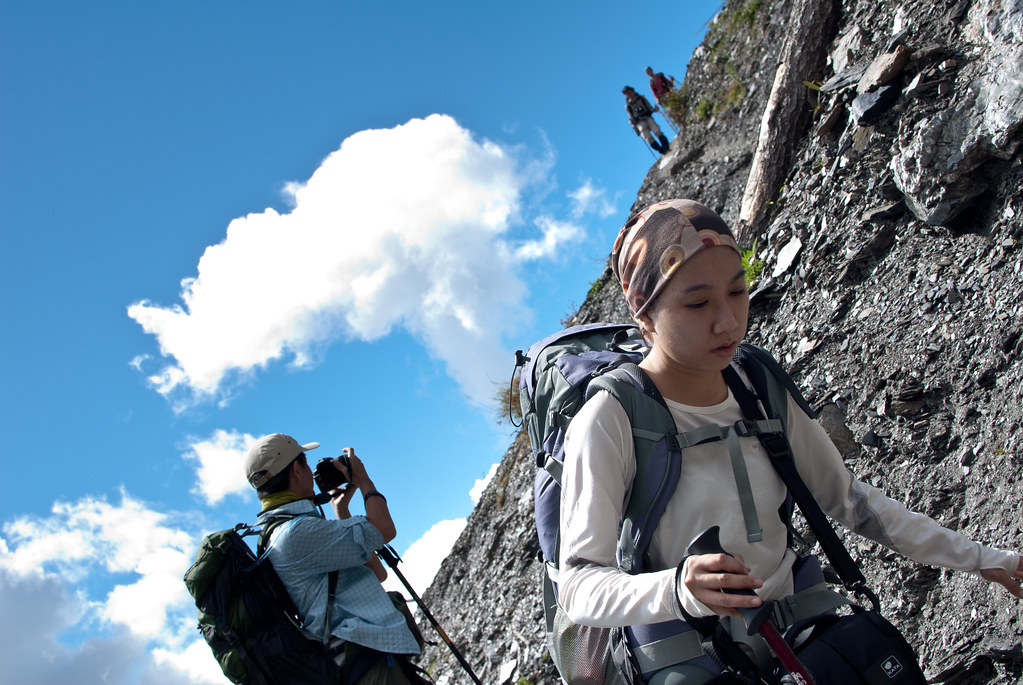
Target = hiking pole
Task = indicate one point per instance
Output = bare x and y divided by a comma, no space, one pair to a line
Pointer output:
391,558
756,619
649,149
671,122
667,119
646,143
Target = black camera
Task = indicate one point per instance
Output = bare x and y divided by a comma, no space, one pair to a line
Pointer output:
327,476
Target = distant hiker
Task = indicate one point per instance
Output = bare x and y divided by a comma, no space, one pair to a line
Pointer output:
661,86
306,550
681,272
641,116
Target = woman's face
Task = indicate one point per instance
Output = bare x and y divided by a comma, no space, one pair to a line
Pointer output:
700,317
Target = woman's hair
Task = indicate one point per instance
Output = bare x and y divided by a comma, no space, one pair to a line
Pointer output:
281,481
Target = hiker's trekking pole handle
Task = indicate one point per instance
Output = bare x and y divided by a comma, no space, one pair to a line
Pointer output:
757,619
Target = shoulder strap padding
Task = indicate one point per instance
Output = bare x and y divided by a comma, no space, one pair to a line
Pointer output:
270,524
658,458
771,382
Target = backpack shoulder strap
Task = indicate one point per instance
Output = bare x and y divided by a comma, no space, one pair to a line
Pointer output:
658,458
771,382
262,549
773,385
269,526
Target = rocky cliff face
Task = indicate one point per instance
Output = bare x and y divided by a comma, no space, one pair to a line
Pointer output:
888,209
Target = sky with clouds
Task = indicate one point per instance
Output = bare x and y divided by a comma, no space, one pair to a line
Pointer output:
228,219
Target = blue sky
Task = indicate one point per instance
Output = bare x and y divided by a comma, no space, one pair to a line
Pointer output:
331,219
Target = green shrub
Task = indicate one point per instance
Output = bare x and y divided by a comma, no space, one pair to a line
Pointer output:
752,265
704,109
676,104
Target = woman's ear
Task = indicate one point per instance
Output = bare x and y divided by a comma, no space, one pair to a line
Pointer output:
646,326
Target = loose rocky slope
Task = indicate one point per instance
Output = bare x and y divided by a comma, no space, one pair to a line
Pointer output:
892,292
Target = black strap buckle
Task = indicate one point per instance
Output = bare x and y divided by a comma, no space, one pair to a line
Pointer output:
776,444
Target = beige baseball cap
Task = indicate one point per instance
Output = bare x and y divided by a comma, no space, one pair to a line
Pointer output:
269,455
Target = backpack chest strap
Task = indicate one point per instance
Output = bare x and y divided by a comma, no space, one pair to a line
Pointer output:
730,435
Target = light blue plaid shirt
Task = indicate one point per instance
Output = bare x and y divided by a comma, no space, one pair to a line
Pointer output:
304,549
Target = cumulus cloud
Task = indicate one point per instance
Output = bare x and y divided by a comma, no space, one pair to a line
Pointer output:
48,564
423,558
34,652
555,235
405,227
481,484
220,470
89,532
194,661
591,199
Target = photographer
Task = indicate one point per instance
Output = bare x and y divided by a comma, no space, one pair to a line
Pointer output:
370,633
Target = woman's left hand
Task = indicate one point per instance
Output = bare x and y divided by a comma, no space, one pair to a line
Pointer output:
999,575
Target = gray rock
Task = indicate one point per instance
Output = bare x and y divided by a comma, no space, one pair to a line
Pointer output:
939,157
873,317
833,420
869,106
883,69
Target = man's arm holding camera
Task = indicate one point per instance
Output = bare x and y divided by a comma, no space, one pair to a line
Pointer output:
376,505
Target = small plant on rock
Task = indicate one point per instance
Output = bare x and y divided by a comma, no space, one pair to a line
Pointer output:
704,109
752,265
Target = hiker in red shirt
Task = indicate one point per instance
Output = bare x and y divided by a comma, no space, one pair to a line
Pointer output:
660,86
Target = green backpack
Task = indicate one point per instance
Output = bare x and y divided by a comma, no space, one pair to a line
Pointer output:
247,617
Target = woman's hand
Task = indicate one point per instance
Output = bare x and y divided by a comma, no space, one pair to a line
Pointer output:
998,575
707,576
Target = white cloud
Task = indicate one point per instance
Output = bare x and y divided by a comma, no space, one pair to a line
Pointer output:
33,651
404,227
89,532
195,661
589,198
47,566
82,537
423,558
221,470
143,606
481,484
555,235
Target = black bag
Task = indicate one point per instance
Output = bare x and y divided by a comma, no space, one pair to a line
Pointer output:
860,648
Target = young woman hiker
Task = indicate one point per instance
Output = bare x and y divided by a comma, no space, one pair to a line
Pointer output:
681,271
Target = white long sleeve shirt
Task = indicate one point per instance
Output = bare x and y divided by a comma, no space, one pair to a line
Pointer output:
599,469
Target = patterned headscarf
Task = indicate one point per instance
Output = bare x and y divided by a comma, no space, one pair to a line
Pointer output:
654,243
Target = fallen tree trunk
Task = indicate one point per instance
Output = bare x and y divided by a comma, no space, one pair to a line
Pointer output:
785,116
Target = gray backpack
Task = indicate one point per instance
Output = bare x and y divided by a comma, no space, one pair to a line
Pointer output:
558,374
